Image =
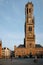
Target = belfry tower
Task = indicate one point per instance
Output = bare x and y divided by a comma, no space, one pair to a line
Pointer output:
29,26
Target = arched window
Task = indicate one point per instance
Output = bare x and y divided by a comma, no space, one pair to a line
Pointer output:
30,10
30,28
27,10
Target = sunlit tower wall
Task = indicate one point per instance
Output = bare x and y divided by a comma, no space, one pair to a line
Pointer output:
29,26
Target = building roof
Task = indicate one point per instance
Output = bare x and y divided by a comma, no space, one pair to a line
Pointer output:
5,48
21,46
38,45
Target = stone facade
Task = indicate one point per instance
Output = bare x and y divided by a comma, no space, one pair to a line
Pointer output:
29,26
6,52
26,51
29,41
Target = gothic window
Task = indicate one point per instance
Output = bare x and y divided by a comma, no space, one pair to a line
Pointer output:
27,10
30,28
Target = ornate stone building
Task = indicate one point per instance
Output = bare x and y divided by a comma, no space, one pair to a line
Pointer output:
29,41
0,49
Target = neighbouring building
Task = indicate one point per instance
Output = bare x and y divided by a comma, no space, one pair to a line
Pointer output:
29,46
0,49
6,52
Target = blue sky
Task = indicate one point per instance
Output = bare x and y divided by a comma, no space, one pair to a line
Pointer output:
12,20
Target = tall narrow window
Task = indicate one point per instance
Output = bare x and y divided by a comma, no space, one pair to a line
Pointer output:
27,10
30,28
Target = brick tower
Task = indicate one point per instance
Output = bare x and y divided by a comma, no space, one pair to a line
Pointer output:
29,26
